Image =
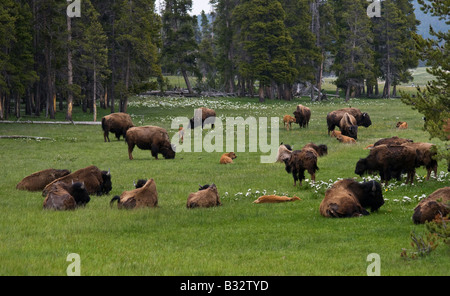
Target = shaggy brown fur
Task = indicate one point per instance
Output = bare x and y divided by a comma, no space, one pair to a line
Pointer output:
348,126
38,180
334,117
283,153
321,149
142,197
227,158
335,134
300,161
63,196
402,125
275,199
204,198
117,123
302,115
288,120
436,203
205,113
425,156
348,198
392,141
345,139
95,180
152,138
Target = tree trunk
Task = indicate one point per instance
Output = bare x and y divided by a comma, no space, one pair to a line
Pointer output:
94,105
69,70
261,93
347,93
186,79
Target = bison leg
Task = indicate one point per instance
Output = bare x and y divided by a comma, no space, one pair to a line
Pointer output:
155,150
106,135
130,151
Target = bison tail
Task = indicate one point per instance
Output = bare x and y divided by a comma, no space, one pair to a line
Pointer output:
114,199
103,123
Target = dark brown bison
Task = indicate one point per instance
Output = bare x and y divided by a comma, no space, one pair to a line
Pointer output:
348,198
349,126
425,156
321,149
200,115
95,180
436,203
117,123
392,141
334,118
389,162
302,115
284,152
152,138
38,180
62,196
299,161
207,196
141,197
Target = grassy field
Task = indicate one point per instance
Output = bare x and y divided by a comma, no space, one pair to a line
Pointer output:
238,238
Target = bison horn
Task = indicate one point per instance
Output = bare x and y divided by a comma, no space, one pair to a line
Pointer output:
109,171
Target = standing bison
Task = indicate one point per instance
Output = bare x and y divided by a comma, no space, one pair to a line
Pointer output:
425,156
38,180
334,118
117,123
437,203
389,162
152,138
62,196
200,115
299,161
207,196
141,197
348,198
349,126
95,180
302,115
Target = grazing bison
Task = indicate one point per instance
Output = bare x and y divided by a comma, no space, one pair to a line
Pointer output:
38,180
334,118
436,203
202,114
299,161
95,180
152,138
141,197
389,162
288,120
117,123
425,156
275,199
402,125
348,126
62,196
348,198
227,158
207,196
302,115
392,141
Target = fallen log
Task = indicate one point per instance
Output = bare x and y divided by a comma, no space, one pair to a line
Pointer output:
54,122
25,137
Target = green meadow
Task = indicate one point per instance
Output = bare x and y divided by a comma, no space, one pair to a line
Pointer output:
237,238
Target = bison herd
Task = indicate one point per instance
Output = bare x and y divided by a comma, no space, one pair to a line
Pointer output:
389,157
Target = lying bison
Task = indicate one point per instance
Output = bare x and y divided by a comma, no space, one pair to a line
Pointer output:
62,196
117,123
302,115
200,115
389,162
349,126
207,196
334,118
392,141
152,138
299,161
141,197
348,198
437,203
38,180
95,180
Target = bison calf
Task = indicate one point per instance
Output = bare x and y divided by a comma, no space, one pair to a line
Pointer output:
348,198
227,158
141,197
117,123
62,196
287,121
436,203
204,198
38,180
153,138
275,199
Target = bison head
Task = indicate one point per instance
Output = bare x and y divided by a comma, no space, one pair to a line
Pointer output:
106,185
373,196
365,120
79,193
361,167
168,151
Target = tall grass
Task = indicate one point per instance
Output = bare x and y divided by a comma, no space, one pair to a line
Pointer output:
238,238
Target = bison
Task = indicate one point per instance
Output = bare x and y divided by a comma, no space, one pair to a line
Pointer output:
436,203
284,152
117,123
202,114
389,162
321,149
227,158
38,180
152,138
207,196
141,197
402,125
345,139
334,118
299,161
288,120
348,198
302,115
95,180
392,141
348,126
62,196
425,156
275,199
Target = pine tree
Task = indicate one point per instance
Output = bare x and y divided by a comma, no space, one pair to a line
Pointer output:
206,56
